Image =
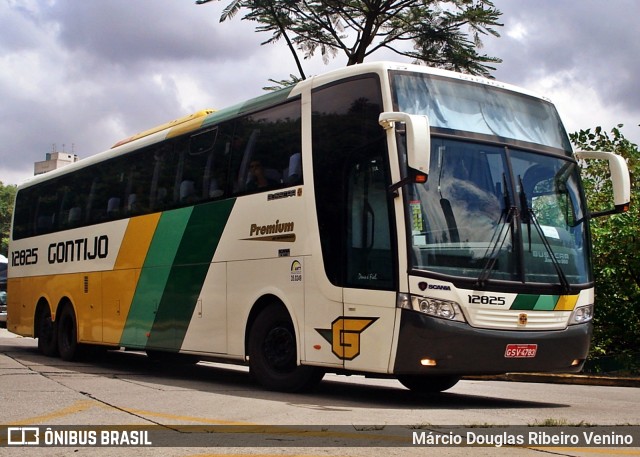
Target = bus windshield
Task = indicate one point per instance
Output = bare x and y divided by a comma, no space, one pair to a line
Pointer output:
479,108
494,213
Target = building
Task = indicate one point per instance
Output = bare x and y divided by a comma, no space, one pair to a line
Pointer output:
53,161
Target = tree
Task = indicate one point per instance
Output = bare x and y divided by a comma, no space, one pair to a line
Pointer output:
7,197
616,245
443,34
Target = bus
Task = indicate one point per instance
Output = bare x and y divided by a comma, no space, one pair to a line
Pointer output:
383,219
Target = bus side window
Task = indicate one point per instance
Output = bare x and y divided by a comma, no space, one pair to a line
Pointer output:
47,205
23,224
214,159
137,192
112,193
192,168
242,151
216,178
292,175
74,192
266,155
113,207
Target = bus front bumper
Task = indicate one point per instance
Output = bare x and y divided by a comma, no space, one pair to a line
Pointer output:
431,346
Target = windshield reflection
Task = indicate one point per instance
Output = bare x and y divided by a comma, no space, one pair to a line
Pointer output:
493,213
479,108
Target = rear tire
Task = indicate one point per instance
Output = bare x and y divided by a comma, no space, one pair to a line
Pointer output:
428,384
47,335
67,334
273,354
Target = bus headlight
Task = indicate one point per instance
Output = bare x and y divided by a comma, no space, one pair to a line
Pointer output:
436,307
581,315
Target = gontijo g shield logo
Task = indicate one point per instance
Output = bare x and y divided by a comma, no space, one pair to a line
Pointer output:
344,335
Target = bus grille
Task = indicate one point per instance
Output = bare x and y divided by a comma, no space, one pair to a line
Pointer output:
518,320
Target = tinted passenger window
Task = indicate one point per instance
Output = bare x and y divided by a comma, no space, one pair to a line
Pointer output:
267,150
254,153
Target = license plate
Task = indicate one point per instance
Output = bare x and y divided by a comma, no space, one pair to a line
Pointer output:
520,351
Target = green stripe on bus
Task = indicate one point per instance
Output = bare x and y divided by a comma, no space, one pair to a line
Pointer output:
524,302
535,302
186,278
255,104
546,303
153,276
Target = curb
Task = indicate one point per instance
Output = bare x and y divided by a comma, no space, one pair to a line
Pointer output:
575,379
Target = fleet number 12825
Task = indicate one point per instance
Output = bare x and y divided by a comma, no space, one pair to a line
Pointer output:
487,300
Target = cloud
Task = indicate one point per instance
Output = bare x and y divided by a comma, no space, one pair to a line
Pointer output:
585,48
152,31
91,74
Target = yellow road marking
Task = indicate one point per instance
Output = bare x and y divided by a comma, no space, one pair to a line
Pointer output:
77,407
202,420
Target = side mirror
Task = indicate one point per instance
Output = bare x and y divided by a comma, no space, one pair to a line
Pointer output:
619,178
418,138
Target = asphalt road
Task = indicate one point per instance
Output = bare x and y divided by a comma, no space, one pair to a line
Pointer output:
350,416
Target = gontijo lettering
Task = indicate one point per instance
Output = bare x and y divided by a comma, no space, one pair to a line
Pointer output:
78,250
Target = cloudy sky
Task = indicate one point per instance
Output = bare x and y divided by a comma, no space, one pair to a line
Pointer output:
82,75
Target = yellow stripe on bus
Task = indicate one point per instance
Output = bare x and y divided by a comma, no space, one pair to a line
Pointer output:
136,241
566,303
186,127
167,125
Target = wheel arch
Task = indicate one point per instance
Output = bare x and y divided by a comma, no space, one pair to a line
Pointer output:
45,301
258,307
63,303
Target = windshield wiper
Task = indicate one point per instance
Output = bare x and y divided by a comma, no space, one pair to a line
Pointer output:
496,242
529,216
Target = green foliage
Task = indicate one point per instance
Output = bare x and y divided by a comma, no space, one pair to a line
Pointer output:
7,197
282,83
616,245
444,34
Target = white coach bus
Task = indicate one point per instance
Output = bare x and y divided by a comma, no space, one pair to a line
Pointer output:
385,219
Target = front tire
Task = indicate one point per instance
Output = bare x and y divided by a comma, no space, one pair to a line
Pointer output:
428,384
273,354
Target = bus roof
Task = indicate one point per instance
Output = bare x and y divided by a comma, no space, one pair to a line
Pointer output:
209,117
167,125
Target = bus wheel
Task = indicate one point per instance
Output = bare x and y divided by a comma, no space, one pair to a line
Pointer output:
428,384
47,341
67,334
273,354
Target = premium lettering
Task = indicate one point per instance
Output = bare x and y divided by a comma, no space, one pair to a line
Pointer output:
278,227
